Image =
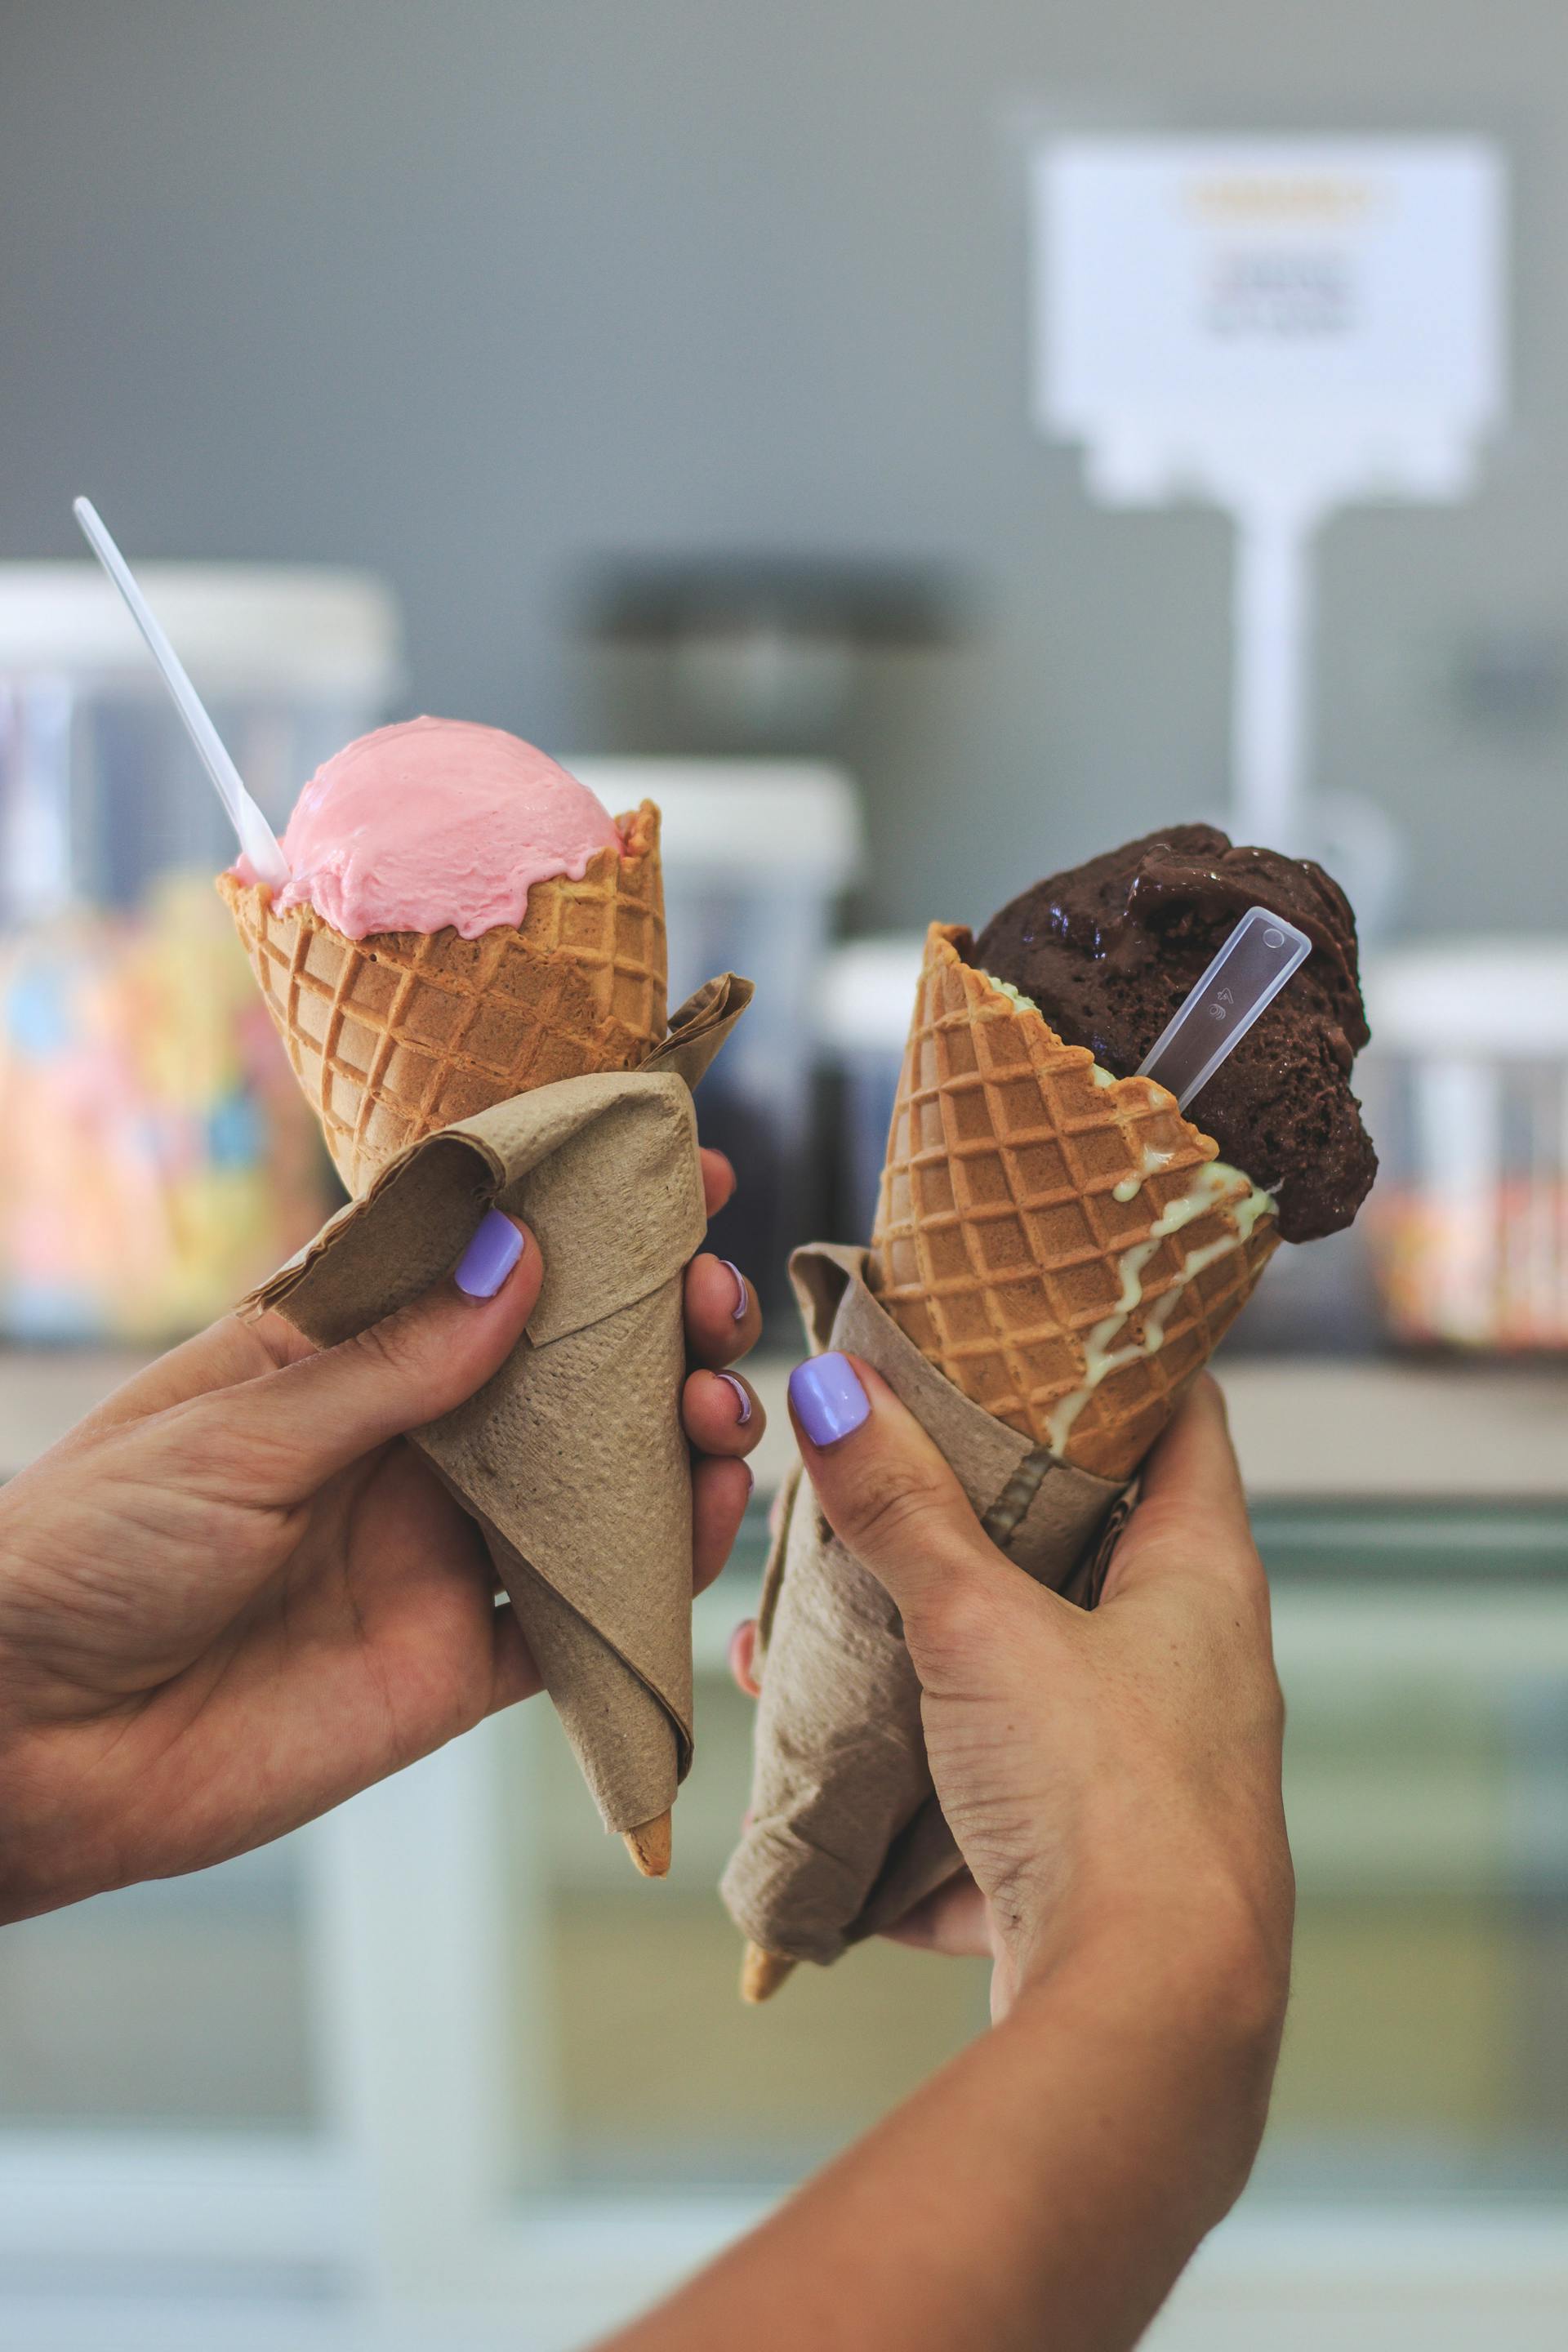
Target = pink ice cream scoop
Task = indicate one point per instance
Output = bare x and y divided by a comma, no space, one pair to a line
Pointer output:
436,821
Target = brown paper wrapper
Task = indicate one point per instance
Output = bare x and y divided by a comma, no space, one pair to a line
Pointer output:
845,1832
571,1459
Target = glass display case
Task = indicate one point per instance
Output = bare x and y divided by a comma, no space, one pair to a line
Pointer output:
184,2003
1425,1660
155,1156
1468,1225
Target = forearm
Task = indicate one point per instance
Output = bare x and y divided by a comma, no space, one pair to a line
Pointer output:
1048,2186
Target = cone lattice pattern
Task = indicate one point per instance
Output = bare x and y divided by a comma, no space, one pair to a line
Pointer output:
1001,1246
395,1035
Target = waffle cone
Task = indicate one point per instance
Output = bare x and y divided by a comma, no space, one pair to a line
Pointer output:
396,1034
650,1846
1001,1250
761,1973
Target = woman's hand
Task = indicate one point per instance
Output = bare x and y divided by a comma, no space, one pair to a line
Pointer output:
232,1597
1113,1782
1093,1767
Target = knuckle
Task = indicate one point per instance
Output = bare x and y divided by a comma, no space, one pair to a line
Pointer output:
394,1346
955,1618
202,1444
195,1472
887,1507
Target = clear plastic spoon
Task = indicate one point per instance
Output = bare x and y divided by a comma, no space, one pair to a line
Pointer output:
1244,979
256,838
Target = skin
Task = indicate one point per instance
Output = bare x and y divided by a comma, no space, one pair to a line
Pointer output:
233,1596
1113,1782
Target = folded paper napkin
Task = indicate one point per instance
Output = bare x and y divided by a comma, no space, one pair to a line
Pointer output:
571,1459
845,1831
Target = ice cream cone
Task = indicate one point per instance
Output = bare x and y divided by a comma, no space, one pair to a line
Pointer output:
761,1973
1062,1244
401,1032
649,1846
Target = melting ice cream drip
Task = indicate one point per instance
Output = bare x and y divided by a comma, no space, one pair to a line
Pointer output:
1210,1184
1014,995
1155,1160
1101,1356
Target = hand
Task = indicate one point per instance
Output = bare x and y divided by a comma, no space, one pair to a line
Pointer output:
1113,1780
233,1596
1094,1768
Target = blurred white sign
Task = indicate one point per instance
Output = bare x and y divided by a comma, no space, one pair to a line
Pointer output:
1283,326
1337,299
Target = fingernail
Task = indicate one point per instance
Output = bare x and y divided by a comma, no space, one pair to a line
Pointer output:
490,1257
743,1291
829,1399
744,1414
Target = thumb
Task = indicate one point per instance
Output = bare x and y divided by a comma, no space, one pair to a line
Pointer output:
888,1493
288,1430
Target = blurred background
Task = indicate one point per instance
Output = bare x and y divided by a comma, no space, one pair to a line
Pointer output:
666,380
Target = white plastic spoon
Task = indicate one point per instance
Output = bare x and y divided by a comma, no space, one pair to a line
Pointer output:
256,838
1244,979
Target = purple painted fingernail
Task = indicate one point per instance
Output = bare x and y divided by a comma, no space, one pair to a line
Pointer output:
743,1289
829,1399
490,1257
744,1415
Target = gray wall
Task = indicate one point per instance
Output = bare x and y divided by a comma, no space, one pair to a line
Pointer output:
472,291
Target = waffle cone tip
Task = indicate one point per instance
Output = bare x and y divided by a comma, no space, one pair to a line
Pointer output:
761,1973
649,1846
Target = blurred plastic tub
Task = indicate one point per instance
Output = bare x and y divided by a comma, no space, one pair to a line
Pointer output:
757,853
155,1156
1467,1097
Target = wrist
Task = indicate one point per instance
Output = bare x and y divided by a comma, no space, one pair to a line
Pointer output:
1206,1948
54,1849
1177,2024
1189,1995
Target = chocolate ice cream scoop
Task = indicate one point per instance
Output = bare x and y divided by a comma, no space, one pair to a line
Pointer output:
1108,950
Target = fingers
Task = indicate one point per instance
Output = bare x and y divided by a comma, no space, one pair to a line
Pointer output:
720,1494
516,1676
952,1919
279,1436
718,1181
226,1351
886,1490
231,1351
1193,1510
1194,1462
722,1420
720,1412
741,1658
723,1321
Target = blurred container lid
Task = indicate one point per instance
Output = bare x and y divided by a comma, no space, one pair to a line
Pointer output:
912,603
867,994
742,819
1503,999
236,627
